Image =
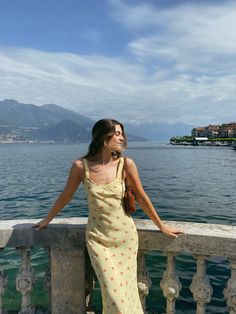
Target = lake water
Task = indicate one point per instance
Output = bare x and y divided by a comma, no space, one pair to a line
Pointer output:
197,183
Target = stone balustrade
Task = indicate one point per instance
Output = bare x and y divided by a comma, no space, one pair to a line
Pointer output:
70,279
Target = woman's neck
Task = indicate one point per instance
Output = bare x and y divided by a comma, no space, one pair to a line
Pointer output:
103,158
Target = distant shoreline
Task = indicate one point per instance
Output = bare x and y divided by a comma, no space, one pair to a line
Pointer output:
204,141
206,144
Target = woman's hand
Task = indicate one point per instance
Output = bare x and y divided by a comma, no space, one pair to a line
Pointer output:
173,232
41,224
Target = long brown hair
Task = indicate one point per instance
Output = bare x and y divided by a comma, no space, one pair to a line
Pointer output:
103,130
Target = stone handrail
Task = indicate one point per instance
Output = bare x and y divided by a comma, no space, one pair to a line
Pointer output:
70,283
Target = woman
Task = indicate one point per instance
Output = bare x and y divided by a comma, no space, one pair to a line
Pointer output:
111,236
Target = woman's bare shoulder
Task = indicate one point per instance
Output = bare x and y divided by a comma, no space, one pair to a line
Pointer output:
78,165
129,161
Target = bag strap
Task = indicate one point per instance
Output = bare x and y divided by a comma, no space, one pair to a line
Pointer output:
127,178
127,182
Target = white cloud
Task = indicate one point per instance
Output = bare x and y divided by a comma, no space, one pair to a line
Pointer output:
180,67
184,33
100,86
135,17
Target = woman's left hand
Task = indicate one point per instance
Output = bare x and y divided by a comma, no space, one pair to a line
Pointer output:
172,232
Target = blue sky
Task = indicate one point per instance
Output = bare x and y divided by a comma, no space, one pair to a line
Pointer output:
137,61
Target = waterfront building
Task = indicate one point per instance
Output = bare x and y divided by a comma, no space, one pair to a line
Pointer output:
212,130
226,130
199,132
201,141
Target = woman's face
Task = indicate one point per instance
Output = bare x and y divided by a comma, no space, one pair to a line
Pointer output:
116,141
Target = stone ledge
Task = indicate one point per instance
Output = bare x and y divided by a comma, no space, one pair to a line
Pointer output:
199,238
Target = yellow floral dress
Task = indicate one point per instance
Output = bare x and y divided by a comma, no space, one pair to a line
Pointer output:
112,242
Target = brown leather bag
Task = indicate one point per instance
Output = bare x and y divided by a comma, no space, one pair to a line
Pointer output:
129,196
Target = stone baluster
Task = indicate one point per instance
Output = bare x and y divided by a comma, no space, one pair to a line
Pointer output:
144,282
24,282
200,286
3,283
170,284
67,278
230,290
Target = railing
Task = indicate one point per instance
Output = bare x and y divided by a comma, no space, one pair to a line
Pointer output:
70,281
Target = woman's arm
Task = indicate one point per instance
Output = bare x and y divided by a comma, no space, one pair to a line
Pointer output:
145,202
73,181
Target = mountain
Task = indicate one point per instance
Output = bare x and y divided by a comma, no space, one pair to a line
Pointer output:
26,122
63,131
52,122
27,115
65,114
159,131
136,138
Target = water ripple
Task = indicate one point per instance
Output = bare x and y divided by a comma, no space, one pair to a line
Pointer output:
195,183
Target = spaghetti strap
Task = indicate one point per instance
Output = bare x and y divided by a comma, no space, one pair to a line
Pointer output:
86,169
120,167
